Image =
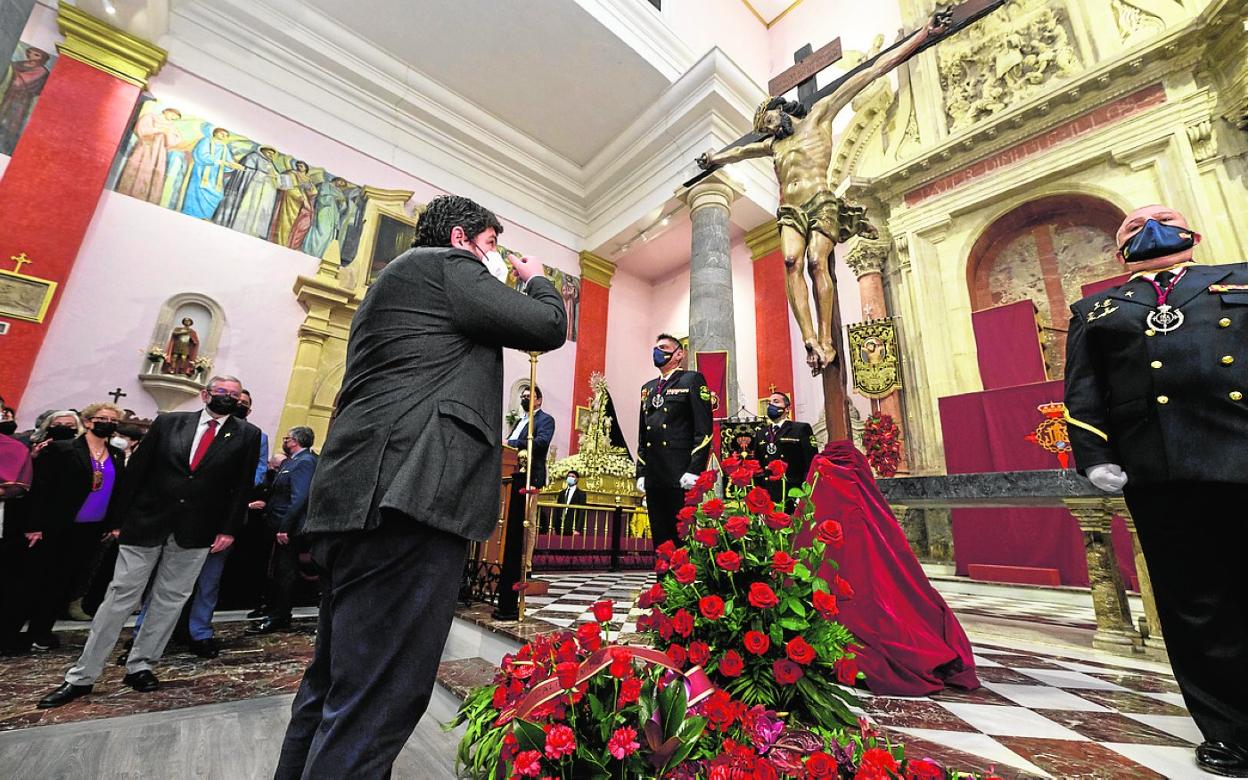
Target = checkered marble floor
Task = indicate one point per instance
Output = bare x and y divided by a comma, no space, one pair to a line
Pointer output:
1041,713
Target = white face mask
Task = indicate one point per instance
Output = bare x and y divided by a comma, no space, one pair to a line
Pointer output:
496,266
120,443
571,481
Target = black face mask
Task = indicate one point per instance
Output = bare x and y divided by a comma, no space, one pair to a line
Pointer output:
103,429
661,357
1157,240
222,404
62,432
241,412
774,412
8,427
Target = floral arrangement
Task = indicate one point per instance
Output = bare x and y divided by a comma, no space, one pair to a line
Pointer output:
881,440
155,353
741,680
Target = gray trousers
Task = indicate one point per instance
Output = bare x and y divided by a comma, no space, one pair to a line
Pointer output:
177,568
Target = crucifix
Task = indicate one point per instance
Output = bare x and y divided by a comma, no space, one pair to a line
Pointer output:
812,220
117,395
20,260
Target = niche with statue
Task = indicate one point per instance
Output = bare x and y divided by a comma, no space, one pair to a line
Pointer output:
178,359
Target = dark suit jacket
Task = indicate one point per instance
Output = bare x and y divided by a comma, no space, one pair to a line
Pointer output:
543,434
795,445
421,407
287,504
63,476
161,495
1167,407
675,438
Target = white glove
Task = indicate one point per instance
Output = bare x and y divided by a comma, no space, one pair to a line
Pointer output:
1108,477
641,484
688,480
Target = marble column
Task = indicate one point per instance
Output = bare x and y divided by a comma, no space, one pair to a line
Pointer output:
711,323
1155,639
13,17
1114,631
866,258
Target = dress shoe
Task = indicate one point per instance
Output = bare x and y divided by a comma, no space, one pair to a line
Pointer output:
204,648
1223,758
259,613
45,643
125,656
63,695
270,625
505,617
143,682
75,611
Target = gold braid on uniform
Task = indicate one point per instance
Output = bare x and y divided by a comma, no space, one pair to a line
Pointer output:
1085,426
705,442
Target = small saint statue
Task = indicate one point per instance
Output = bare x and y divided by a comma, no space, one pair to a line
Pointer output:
182,350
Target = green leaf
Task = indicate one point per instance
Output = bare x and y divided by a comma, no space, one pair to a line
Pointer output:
530,736
777,633
797,607
791,623
672,707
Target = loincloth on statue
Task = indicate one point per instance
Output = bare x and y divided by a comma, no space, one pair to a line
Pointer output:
828,215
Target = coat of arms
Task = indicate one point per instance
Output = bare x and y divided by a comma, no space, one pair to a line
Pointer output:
874,357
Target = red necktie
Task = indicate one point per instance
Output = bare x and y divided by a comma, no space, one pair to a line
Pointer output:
205,442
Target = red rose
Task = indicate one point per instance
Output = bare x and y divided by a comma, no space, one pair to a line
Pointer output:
831,533
825,604
603,610
776,470
566,672
800,651
699,653
820,766
758,501
686,513
846,670
706,536
756,642
741,477
777,521
682,528
630,691
729,463
693,495
762,596
682,622
528,763
731,664
713,509
728,561
712,607
787,672
721,710
686,574
924,769
560,742
706,480
657,594
621,662
876,763
737,526
843,587
665,626
782,562
680,557
678,655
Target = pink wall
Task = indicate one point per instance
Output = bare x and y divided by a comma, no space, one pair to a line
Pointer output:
819,21
728,24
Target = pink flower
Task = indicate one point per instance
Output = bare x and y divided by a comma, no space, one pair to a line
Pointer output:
560,742
528,763
623,743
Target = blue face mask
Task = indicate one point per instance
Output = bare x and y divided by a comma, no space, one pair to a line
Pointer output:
1157,240
662,358
774,412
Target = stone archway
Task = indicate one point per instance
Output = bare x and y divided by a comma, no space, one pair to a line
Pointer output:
1046,250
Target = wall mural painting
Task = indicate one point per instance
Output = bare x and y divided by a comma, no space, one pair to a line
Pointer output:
201,169
23,81
569,287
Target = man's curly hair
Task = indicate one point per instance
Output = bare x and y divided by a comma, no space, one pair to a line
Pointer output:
444,212
789,108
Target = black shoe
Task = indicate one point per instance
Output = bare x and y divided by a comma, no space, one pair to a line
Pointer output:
63,695
259,613
1223,758
45,643
143,682
505,617
270,625
204,648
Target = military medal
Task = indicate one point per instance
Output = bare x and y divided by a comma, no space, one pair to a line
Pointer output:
656,400
771,448
771,440
1165,318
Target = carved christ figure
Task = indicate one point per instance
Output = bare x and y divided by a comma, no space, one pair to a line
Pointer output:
182,349
812,220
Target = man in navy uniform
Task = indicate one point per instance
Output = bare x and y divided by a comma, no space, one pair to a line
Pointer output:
1156,376
785,440
675,436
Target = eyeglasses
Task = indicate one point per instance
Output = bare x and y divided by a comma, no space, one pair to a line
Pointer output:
225,393
98,419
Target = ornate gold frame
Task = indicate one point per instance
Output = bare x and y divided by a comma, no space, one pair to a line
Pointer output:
49,290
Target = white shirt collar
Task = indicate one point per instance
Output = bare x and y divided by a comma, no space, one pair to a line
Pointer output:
664,376
205,416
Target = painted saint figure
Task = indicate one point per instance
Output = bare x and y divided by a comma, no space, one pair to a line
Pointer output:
811,218
181,350
155,134
330,209
211,157
25,85
294,208
251,195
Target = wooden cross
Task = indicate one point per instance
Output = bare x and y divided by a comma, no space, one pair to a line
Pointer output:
806,65
20,260
117,395
962,15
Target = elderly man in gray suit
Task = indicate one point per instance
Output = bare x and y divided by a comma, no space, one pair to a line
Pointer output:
408,475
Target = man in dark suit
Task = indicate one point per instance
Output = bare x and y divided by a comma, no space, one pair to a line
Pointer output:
784,440
543,433
571,521
1156,377
408,475
674,438
184,494
285,510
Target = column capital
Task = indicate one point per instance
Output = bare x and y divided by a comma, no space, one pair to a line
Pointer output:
106,48
763,240
598,270
715,190
1092,513
867,256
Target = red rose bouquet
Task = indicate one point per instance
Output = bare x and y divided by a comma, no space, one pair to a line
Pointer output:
882,444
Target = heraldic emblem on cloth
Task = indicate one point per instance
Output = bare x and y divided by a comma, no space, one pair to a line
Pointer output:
1052,434
875,357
